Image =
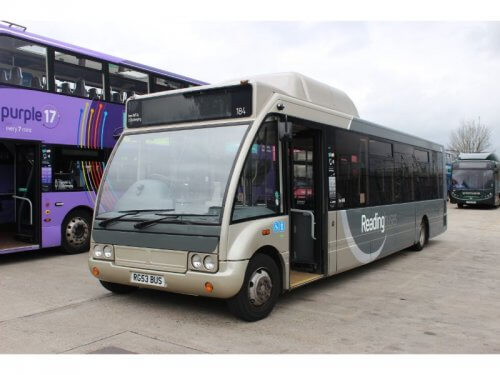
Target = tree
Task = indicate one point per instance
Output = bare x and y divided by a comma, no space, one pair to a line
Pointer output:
470,137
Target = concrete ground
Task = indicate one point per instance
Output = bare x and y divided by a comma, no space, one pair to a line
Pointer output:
445,299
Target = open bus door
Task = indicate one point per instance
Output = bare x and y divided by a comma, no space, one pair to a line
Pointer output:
20,227
307,245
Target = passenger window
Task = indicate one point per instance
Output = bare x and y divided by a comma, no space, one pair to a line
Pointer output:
77,169
351,159
23,63
78,76
166,84
126,82
258,192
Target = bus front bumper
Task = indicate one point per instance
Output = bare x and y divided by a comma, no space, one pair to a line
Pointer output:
226,282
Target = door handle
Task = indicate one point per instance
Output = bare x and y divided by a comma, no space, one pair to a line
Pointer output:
307,213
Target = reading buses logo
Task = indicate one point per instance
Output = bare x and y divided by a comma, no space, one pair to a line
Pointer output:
371,224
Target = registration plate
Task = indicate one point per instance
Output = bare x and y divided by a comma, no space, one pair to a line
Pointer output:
147,279
470,202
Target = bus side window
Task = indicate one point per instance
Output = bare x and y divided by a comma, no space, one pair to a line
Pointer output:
166,84
78,76
22,63
125,82
77,169
258,192
352,169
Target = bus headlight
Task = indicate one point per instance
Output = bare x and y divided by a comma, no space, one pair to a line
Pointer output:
196,261
98,251
209,263
108,252
203,262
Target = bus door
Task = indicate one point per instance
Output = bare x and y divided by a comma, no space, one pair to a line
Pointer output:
26,192
305,200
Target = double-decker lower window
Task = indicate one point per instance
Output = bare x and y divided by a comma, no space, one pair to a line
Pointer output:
73,169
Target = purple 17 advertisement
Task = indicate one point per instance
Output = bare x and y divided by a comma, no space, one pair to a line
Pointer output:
60,119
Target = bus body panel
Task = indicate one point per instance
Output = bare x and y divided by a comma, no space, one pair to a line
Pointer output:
246,238
58,119
226,282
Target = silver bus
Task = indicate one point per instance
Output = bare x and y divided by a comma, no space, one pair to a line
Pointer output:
252,188
475,180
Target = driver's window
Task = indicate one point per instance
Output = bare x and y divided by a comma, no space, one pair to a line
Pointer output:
258,192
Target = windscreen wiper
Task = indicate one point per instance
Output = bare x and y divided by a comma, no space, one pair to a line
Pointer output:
104,223
174,218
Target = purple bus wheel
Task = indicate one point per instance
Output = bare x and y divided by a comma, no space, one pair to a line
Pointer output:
76,232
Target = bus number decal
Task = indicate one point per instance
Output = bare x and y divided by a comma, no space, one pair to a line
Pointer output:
50,117
241,111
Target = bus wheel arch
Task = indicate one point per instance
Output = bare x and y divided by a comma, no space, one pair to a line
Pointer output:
423,234
76,229
273,253
260,290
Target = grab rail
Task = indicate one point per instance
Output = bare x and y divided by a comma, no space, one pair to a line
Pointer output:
31,206
307,213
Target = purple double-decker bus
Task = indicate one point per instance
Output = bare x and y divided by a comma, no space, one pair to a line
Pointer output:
61,110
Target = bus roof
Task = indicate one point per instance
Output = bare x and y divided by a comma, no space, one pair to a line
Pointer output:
18,32
301,87
478,156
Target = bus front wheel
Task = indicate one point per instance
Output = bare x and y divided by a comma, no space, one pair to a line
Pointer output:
260,291
75,236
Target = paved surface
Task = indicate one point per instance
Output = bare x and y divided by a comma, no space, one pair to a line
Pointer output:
445,299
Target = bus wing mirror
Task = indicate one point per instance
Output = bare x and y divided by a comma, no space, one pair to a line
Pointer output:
284,130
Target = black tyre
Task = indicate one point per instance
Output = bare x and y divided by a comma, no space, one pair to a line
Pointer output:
260,290
75,232
460,205
117,288
422,237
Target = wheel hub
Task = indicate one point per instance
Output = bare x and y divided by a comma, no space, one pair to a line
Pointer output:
77,231
260,287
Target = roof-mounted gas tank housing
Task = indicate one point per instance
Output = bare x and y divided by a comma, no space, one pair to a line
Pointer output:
301,87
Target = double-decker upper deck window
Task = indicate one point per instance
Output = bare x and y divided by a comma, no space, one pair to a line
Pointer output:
126,82
165,84
78,76
23,63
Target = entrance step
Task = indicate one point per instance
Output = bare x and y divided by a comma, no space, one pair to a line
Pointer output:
298,278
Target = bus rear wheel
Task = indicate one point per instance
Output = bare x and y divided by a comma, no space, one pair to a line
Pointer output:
422,237
260,291
117,288
75,236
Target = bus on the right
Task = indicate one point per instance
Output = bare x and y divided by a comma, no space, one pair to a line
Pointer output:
475,180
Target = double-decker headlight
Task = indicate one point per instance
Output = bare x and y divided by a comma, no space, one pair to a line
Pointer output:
203,262
105,252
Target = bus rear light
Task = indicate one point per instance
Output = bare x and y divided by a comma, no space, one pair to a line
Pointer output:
95,271
209,287
47,219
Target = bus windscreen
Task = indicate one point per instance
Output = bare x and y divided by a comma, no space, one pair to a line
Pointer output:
199,105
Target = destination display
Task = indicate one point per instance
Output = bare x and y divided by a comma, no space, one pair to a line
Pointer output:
210,104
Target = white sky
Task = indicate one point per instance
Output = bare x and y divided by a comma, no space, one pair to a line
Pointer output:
419,77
